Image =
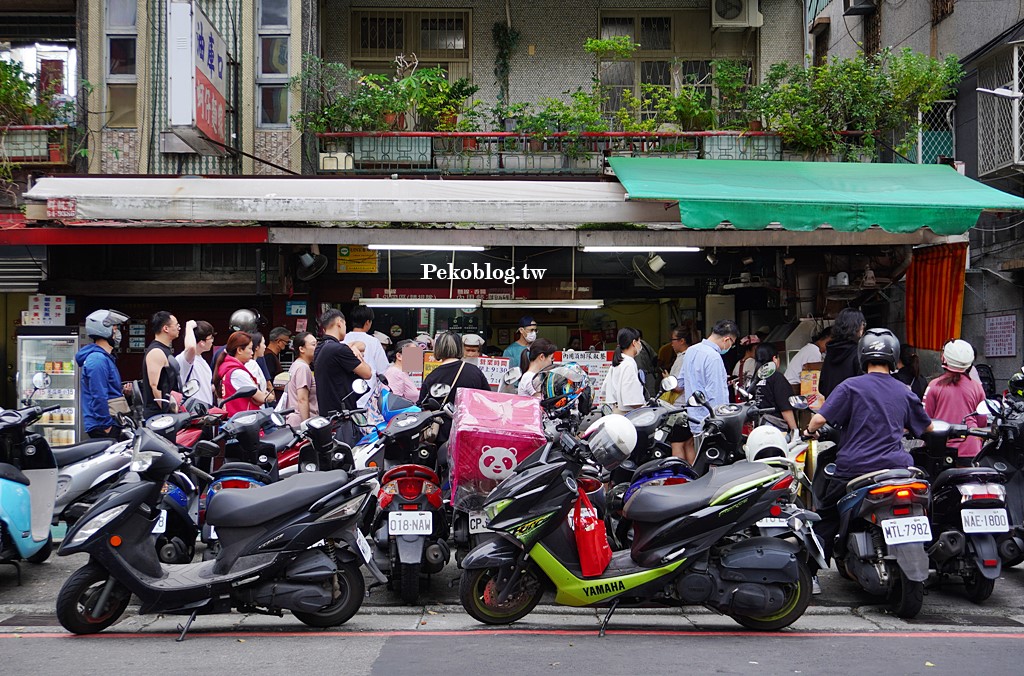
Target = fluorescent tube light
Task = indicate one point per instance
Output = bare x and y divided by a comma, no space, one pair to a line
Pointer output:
457,303
640,249
554,303
424,247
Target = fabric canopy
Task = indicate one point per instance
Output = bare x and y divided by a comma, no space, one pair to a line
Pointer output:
935,295
850,197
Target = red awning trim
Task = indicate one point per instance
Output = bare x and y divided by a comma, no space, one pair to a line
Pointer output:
134,235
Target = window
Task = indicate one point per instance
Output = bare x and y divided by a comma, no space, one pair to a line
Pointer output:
273,70
821,40
436,37
873,32
121,74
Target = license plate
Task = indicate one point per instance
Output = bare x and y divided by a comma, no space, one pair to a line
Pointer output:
908,529
478,523
161,523
364,546
410,523
773,522
984,520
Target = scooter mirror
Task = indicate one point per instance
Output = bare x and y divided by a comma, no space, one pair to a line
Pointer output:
512,375
799,402
191,387
359,420
986,407
40,380
669,383
281,380
277,419
206,449
766,371
697,399
360,387
241,393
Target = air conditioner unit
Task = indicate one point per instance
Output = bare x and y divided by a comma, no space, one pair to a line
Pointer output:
735,14
859,7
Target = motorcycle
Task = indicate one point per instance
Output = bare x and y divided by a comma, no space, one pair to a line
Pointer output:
1004,452
291,546
883,531
682,552
968,512
720,442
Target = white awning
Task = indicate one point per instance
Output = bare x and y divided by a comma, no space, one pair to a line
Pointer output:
350,200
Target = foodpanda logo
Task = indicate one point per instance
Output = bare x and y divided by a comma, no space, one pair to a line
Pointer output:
497,462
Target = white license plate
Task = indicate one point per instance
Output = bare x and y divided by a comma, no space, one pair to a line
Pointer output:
478,523
410,523
364,546
161,523
907,529
984,520
773,522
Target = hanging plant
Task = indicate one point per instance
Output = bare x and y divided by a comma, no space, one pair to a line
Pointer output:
506,39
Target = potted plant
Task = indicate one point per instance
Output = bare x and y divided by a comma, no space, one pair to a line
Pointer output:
439,101
19,106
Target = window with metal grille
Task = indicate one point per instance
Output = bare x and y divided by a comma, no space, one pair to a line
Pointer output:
941,9
436,37
121,74
272,72
821,40
873,32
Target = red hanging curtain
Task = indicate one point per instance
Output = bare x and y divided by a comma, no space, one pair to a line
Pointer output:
935,295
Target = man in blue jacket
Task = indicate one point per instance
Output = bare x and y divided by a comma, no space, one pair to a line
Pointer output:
101,381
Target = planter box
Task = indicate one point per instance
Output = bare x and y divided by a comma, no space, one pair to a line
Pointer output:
742,148
336,161
23,145
392,151
533,162
465,163
796,156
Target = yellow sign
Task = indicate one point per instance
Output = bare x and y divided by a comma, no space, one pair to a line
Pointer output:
429,364
353,258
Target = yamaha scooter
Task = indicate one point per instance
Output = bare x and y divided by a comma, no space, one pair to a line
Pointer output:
291,546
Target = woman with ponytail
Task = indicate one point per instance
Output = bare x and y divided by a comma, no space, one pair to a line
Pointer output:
623,390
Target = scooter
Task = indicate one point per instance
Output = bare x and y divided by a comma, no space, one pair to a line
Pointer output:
1004,452
968,512
682,551
291,546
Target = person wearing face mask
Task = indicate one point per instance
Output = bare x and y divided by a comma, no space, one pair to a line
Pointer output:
704,371
525,334
622,389
101,381
542,356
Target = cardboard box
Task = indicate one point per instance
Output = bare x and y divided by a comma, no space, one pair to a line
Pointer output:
809,388
491,434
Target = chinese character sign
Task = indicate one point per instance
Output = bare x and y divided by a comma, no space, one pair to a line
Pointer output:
210,76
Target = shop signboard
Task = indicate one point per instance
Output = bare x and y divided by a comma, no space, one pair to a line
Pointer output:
355,259
196,78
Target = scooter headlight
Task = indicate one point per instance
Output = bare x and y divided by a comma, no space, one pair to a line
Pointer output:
492,510
90,527
143,460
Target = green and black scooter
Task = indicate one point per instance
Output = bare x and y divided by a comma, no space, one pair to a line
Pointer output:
689,546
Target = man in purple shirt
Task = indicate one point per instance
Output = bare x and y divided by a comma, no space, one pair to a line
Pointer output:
704,371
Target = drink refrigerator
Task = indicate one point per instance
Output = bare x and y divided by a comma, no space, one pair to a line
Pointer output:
51,350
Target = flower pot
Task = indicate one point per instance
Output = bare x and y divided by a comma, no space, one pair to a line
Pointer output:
469,144
755,125
394,120
535,145
56,156
449,120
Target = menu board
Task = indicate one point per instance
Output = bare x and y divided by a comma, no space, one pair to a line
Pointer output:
1001,336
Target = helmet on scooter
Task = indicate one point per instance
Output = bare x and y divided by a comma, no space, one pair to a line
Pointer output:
879,346
1016,384
764,442
561,386
104,324
611,439
244,320
957,355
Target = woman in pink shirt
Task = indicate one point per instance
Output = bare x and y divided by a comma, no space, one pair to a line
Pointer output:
399,381
953,397
301,388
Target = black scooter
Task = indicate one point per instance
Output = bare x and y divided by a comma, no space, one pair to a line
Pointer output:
1004,452
291,546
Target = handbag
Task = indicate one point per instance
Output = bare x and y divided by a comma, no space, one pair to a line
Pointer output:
430,434
591,539
118,405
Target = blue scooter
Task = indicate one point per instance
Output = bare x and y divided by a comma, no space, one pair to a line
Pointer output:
28,485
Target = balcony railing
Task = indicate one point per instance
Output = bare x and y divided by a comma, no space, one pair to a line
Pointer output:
504,153
48,144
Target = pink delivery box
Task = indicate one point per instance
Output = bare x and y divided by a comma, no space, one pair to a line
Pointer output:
491,434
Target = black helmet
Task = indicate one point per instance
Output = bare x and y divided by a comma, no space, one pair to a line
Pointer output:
1016,384
879,345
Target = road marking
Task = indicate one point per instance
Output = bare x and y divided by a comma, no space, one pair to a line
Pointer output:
533,632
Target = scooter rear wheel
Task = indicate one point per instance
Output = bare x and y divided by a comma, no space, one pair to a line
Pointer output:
798,597
906,596
978,587
79,595
479,589
351,588
409,582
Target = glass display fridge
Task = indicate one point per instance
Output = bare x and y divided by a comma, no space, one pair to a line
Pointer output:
51,350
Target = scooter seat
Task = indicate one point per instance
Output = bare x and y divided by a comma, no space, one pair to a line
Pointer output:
245,469
654,504
879,476
956,475
68,455
253,506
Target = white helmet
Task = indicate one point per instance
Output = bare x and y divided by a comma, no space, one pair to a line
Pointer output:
612,438
764,442
957,355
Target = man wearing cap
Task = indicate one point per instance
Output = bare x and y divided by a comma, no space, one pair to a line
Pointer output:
471,345
525,334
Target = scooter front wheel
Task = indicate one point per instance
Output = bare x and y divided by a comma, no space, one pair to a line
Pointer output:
479,590
76,602
798,597
349,589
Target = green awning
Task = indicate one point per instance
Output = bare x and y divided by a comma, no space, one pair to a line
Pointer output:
802,196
